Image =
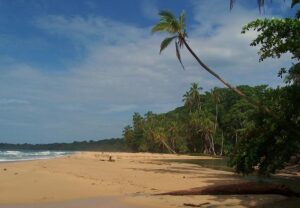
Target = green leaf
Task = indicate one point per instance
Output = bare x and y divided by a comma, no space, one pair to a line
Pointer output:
161,26
178,54
182,20
167,15
165,43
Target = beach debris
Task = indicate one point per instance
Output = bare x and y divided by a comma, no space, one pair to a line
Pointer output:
4,169
195,205
110,159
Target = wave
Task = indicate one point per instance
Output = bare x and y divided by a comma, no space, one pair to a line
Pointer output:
11,155
11,152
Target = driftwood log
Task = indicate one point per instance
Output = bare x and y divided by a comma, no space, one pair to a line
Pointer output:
237,189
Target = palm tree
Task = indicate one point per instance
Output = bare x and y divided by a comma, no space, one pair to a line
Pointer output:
177,29
202,123
216,99
192,98
159,135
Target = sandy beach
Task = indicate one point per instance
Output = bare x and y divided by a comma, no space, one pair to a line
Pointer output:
89,180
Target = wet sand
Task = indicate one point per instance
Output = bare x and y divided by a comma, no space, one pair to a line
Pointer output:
89,180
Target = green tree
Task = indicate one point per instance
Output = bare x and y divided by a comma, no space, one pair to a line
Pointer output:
128,136
203,126
276,37
192,98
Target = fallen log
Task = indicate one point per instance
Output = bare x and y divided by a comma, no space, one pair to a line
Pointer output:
236,189
195,205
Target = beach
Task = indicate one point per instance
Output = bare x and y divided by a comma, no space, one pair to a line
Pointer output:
89,179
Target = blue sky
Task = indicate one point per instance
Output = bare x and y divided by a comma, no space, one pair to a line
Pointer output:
76,70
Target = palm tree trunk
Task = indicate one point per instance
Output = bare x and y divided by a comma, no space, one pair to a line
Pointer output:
212,144
221,153
206,144
216,119
168,147
234,89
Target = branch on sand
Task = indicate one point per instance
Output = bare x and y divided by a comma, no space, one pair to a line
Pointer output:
236,189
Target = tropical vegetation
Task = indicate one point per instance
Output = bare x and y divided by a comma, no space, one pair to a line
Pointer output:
256,127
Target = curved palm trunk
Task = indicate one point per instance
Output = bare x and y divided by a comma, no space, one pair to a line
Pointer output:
207,144
216,119
237,91
212,145
168,147
221,153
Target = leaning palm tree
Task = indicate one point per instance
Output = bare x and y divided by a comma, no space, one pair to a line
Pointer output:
177,29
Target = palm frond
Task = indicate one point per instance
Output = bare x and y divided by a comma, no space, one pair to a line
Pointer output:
260,4
164,44
166,15
161,26
165,27
182,20
178,54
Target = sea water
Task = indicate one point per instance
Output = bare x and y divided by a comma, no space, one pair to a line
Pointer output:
20,155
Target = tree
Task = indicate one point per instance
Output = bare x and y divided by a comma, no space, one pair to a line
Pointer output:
128,136
216,98
177,29
202,124
159,135
192,98
276,37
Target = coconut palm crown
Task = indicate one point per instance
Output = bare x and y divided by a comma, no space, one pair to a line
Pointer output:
175,27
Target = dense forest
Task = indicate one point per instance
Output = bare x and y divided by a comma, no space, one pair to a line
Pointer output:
219,122
114,144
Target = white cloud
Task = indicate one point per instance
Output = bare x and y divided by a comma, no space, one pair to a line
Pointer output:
9,101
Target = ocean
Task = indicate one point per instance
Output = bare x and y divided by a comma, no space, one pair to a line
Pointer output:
20,155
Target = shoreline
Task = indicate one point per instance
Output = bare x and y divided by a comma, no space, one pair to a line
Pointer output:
130,180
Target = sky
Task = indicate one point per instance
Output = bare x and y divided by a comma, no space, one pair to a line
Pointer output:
78,70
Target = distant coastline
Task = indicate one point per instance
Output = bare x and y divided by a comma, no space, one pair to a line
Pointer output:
112,145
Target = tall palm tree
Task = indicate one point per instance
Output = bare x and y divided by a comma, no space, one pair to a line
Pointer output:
216,99
177,29
192,98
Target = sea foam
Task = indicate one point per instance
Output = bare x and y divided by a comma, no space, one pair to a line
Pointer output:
14,155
